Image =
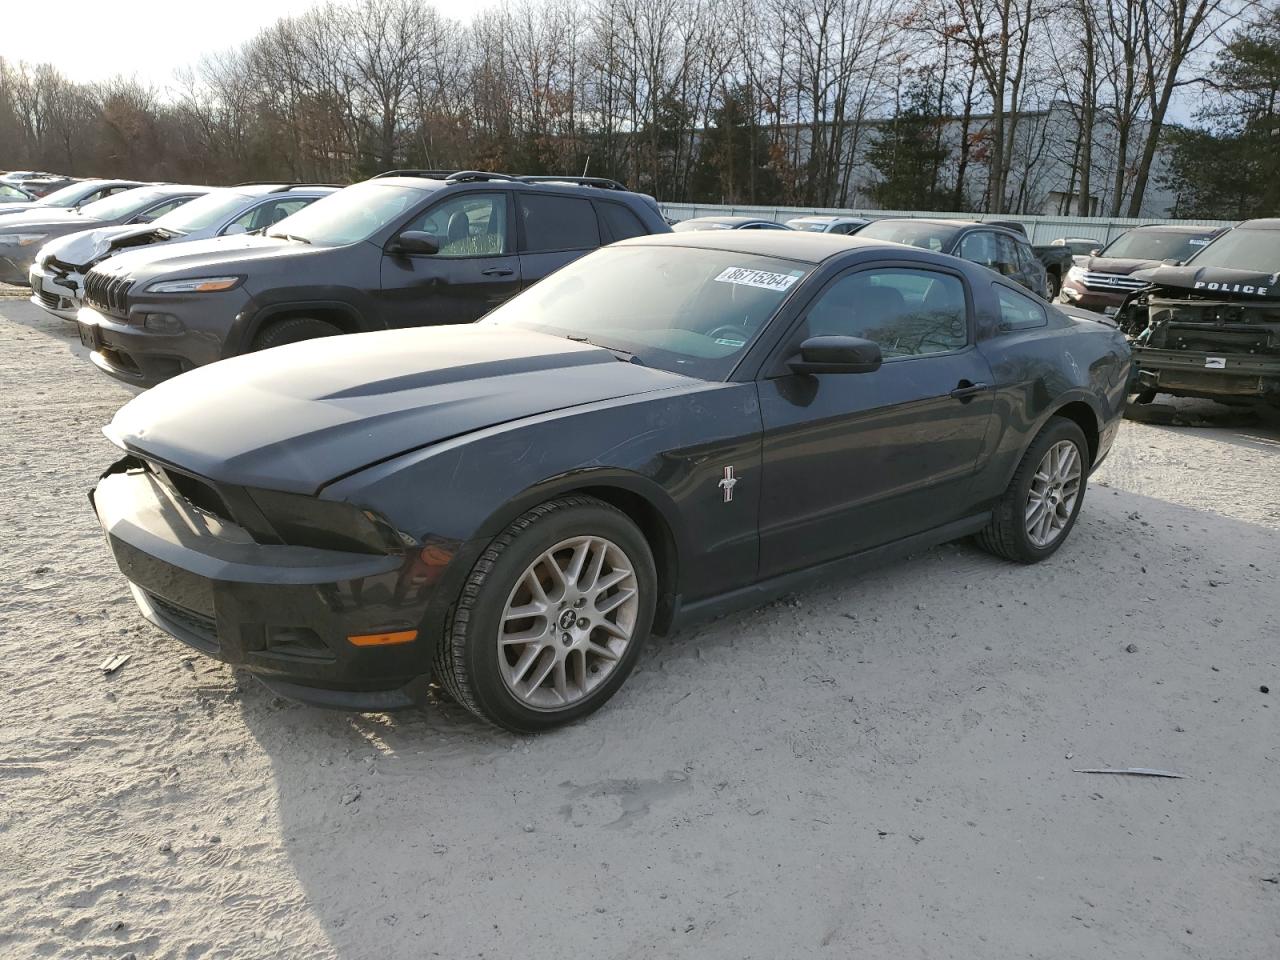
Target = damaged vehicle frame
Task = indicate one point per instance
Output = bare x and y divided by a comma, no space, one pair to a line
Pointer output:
1211,328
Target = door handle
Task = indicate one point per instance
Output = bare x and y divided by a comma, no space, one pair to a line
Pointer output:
497,272
966,390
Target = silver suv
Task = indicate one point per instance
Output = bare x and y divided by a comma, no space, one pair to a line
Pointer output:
57,275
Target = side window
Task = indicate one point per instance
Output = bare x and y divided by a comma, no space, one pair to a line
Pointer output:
910,313
980,247
557,223
1027,261
161,209
266,214
1018,312
619,222
1007,254
470,225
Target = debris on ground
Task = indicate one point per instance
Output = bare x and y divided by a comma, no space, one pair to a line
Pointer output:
1131,648
1134,772
115,662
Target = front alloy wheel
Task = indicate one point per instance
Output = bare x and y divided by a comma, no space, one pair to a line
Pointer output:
552,616
568,622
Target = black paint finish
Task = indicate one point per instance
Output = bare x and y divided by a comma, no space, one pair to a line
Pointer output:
444,436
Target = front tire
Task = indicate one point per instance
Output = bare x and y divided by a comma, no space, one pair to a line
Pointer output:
292,330
552,617
1039,507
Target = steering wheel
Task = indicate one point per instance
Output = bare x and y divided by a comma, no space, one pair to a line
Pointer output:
737,333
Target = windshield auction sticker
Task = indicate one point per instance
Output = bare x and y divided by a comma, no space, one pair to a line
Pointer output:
757,278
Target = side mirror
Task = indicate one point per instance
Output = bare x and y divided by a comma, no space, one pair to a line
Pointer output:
235,229
415,242
1095,251
836,355
1172,262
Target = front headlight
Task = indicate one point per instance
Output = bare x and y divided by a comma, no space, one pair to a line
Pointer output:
1076,274
22,239
194,285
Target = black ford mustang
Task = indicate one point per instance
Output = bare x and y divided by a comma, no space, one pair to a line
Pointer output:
667,428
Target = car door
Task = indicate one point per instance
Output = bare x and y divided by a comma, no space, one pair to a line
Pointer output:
474,269
554,229
856,460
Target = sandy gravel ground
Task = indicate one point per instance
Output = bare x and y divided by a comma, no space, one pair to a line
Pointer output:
880,768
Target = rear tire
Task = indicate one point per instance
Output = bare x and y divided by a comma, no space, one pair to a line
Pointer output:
292,330
563,658
1039,507
1055,286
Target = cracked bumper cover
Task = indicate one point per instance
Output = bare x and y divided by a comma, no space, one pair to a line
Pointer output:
282,612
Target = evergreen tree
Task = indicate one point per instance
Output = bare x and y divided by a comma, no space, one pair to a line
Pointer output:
909,155
1228,168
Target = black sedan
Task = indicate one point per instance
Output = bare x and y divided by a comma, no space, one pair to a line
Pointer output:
727,223
668,428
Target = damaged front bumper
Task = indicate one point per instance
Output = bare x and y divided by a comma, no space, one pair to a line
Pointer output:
1192,347
294,616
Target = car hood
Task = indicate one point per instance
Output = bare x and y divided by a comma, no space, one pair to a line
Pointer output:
86,247
1217,282
195,257
59,221
297,417
22,206
1120,266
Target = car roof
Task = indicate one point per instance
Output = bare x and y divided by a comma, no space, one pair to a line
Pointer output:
1192,228
281,187
727,219
789,244
1266,223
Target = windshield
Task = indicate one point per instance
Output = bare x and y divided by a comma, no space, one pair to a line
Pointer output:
121,204
202,212
350,215
10,194
681,309
809,226
1156,245
927,236
68,196
1243,249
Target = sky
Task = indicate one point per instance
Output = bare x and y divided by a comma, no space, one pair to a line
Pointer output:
149,39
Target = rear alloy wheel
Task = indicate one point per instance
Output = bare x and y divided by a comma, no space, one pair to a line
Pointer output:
1043,499
292,330
1055,286
552,617
1055,487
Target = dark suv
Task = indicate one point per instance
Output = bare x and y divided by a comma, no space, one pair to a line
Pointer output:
994,245
409,248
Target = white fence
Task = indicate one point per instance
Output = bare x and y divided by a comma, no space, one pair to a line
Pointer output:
1040,229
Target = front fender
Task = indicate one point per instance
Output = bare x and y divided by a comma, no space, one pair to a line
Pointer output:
668,448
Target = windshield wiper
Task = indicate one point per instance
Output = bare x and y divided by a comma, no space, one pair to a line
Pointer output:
289,236
626,356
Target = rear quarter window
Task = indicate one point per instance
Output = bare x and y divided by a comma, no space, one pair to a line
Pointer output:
619,223
558,223
1019,312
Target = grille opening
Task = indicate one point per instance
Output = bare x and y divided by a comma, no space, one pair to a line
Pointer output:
198,493
203,629
300,642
